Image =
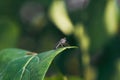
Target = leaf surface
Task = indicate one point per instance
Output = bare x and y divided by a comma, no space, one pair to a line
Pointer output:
6,55
30,67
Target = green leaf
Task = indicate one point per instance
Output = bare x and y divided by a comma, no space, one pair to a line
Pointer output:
30,67
7,55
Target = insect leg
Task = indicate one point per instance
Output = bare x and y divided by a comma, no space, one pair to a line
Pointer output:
58,45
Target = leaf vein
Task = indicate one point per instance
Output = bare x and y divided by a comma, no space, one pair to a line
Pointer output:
26,66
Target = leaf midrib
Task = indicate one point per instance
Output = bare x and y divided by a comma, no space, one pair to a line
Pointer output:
24,67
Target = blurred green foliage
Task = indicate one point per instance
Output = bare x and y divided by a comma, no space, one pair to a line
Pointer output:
93,25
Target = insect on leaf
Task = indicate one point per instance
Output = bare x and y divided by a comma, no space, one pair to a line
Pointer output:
30,67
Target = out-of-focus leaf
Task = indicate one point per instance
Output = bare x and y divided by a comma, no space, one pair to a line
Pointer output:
74,78
111,18
117,74
9,33
95,26
30,67
7,55
55,77
84,42
59,16
61,77
82,36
